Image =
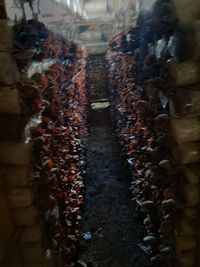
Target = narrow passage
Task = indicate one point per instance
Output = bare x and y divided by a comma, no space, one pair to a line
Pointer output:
109,233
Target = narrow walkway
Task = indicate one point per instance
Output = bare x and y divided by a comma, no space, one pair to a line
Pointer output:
109,233
108,212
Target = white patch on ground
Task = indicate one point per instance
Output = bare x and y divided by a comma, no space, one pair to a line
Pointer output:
100,105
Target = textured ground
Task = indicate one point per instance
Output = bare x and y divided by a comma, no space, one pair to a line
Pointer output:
108,212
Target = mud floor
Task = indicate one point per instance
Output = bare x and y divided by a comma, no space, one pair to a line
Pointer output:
109,232
97,78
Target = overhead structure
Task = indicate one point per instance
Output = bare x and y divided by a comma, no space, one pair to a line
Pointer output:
85,21
94,22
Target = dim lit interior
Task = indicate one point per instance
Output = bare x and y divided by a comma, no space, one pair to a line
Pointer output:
99,133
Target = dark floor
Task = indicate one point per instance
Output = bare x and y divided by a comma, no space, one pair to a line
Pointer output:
108,214
97,78
108,211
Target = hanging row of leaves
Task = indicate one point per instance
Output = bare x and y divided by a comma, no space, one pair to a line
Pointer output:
143,129
141,86
58,98
33,42
60,162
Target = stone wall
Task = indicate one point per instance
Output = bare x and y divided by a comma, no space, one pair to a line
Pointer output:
185,123
20,233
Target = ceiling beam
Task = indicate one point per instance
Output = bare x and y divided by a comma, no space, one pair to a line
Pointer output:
94,22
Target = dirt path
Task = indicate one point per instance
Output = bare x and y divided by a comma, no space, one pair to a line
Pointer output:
108,212
97,78
107,217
